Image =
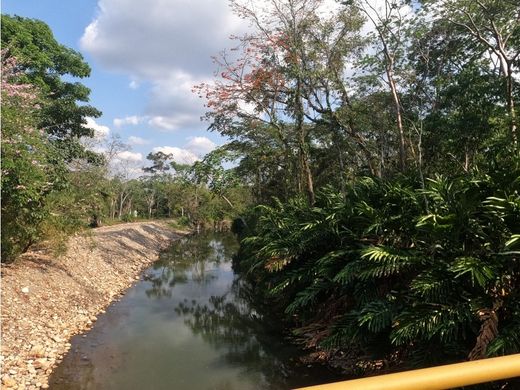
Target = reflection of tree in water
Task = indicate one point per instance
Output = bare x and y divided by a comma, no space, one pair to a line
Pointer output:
188,259
245,337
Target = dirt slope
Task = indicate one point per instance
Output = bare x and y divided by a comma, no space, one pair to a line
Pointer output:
46,300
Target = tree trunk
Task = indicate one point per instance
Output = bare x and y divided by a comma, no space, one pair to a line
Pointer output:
121,200
511,105
227,201
342,170
397,104
305,169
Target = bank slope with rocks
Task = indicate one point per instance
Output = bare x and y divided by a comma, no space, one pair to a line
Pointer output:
47,300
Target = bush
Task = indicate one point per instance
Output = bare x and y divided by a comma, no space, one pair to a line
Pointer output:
389,270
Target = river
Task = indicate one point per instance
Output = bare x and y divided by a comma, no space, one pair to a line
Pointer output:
189,323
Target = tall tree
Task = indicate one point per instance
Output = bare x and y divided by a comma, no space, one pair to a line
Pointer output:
389,22
44,62
275,84
27,174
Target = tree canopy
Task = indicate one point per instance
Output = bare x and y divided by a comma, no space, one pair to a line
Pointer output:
44,62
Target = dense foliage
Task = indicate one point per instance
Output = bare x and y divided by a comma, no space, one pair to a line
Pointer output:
386,169
43,120
394,272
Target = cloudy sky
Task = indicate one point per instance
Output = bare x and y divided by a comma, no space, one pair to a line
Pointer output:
145,58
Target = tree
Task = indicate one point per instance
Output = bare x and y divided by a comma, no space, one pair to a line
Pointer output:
410,266
160,164
491,27
279,83
28,175
389,23
210,172
43,122
44,62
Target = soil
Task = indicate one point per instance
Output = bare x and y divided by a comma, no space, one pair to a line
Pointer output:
47,299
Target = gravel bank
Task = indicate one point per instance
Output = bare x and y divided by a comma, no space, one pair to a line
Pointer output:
46,300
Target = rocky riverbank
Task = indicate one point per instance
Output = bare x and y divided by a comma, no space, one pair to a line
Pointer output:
47,300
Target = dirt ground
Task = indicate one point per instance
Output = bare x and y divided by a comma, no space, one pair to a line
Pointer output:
46,300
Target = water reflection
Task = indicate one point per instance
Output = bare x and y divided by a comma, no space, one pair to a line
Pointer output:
189,324
245,337
188,260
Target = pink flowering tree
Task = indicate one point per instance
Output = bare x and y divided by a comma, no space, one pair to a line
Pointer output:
283,80
26,173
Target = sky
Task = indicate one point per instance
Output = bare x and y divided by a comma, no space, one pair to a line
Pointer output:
145,57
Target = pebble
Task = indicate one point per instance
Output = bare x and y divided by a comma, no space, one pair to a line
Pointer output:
8,381
37,351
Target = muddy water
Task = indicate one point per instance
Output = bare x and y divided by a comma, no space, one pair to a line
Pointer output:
190,323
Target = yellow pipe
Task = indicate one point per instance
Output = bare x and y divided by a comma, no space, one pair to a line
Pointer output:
435,378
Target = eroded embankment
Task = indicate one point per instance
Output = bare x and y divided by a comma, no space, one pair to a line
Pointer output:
46,300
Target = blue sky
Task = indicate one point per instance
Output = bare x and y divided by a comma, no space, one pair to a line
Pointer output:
145,57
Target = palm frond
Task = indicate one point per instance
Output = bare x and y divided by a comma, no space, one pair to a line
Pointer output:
384,261
481,272
376,316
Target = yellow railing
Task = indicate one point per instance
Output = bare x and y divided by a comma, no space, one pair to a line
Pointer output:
436,378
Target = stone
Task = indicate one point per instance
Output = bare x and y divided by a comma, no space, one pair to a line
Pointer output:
25,290
42,363
37,351
8,381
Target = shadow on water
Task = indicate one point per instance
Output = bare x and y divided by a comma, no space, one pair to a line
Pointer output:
190,323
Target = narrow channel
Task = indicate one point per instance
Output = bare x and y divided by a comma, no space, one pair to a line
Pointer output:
189,323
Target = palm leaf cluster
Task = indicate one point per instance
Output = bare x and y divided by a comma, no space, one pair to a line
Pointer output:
395,272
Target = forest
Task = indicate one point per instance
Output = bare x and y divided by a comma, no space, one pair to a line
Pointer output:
372,170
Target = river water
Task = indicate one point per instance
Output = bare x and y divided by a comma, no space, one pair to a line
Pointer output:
189,323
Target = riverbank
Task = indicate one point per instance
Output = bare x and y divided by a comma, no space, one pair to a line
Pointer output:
47,300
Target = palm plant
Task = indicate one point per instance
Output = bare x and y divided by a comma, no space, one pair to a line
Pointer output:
391,270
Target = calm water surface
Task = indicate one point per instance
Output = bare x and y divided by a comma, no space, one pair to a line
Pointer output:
190,323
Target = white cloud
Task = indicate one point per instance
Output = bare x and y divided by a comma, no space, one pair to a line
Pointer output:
133,140
101,132
129,120
182,156
200,145
150,38
129,156
168,43
171,123
172,105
